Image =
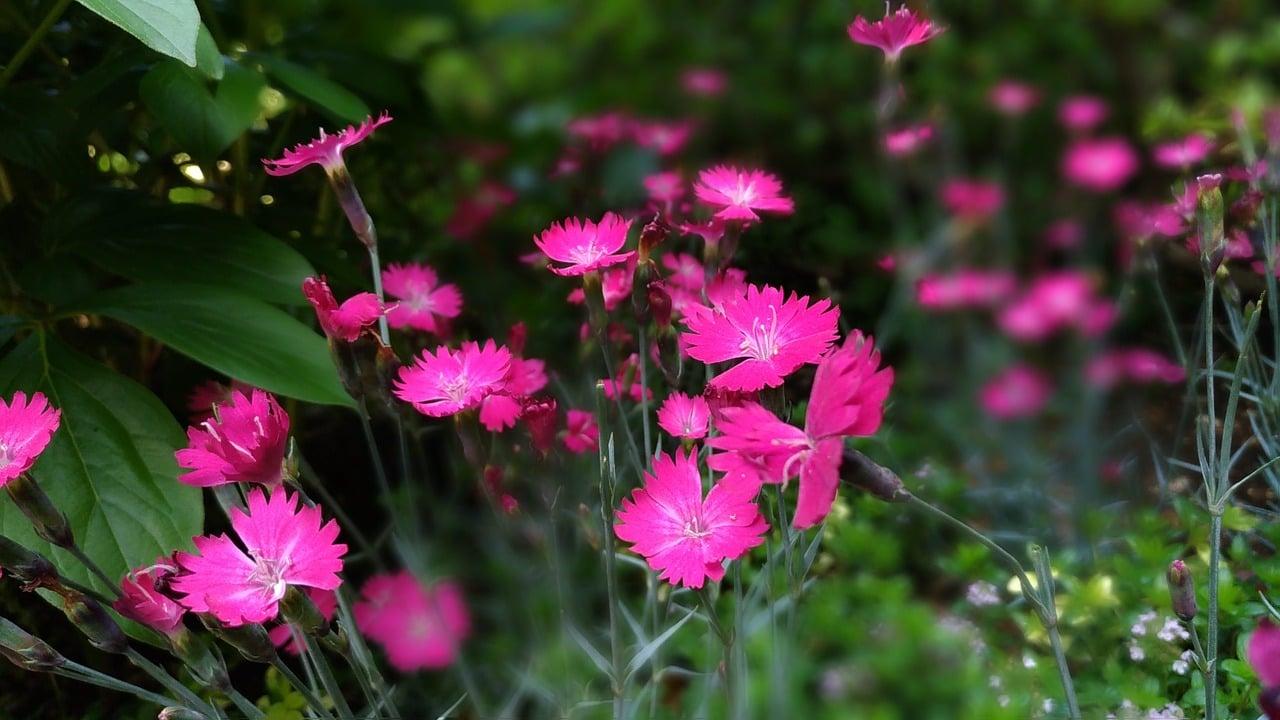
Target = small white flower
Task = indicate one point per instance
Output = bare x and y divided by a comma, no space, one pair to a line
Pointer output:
1136,653
1183,664
1028,661
1140,625
1173,631
982,594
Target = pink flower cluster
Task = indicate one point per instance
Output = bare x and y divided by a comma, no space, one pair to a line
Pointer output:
420,627
965,288
1064,299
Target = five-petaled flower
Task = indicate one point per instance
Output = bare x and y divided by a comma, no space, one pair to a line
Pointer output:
424,302
894,32
326,150
284,546
771,333
346,321
683,535
448,381
737,194
585,245
245,441
25,429
420,627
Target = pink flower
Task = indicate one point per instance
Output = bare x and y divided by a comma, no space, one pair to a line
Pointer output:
664,188
737,194
1082,113
207,395
972,200
1018,392
1137,365
419,627
684,417
704,82
244,442
1013,98
584,245
581,433
284,546
1064,234
501,409
141,602
423,299
600,132
325,151
1054,301
894,32
664,138
345,321
678,532
907,140
1263,653
25,430
615,284
847,400
771,333
1100,165
449,382
627,383
326,601
965,288
474,210
1183,153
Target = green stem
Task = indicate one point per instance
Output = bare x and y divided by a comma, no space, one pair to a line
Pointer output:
162,676
1211,651
37,36
301,687
325,671
82,673
93,568
1064,672
608,474
383,331
243,705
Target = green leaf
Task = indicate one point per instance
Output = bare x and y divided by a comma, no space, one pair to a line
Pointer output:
166,26
208,58
202,123
189,244
329,96
109,467
236,335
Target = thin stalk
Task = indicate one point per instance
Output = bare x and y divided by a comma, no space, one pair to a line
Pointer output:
379,470
243,705
1211,651
301,687
1163,301
360,658
325,671
81,673
162,676
376,265
37,36
608,475
1064,672
93,568
726,644
1208,379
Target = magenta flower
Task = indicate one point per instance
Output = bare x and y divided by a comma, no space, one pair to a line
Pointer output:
208,395
581,433
1082,113
1100,165
973,201
1018,392
684,417
1137,365
284,546
584,245
346,321
771,333
737,194
965,288
704,82
664,188
473,211
245,442
1184,153
325,151
847,400
894,32
449,382
424,301
1064,234
664,138
326,601
600,132
25,431
678,532
1263,653
418,627
1054,301
1013,98
501,409
615,284
907,140
141,602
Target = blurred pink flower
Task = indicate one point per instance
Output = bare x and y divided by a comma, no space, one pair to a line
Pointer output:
894,32
627,383
205,396
737,194
1137,365
25,430
584,245
704,81
1064,234
664,188
1082,113
1263,653
600,132
664,138
423,299
326,601
972,200
325,151
449,382
501,409
244,442
1100,165
1013,98
141,602
965,288
419,627
771,333
581,433
1065,298
1018,392
476,209
540,417
615,284
684,417
711,231
284,546
684,536
1183,153
1239,246
345,321
907,140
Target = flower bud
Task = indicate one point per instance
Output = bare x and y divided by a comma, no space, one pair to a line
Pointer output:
33,569
659,303
26,650
651,236
539,417
92,619
252,641
204,665
1182,591
875,479
297,609
1209,220
49,522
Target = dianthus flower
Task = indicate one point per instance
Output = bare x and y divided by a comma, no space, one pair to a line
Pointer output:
585,245
684,417
664,138
1100,165
737,194
424,303
972,200
346,321
1183,153
1054,301
1263,653
141,601
704,82
1137,365
580,433
1013,98
1082,113
894,32
965,288
326,150
419,627
1020,391
245,442
25,430
907,140
451,381
664,188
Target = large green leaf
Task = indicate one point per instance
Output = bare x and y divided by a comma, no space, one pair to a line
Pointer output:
203,123
166,26
192,244
208,58
236,335
324,93
110,467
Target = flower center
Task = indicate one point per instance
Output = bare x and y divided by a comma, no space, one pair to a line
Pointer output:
743,193
456,388
268,573
762,342
693,529
585,253
5,458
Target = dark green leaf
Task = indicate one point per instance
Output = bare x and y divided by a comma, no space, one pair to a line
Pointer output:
202,123
166,26
208,58
327,95
239,336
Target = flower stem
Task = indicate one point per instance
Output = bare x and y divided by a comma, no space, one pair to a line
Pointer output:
81,673
33,42
608,477
1211,651
243,705
301,687
162,676
326,674
93,568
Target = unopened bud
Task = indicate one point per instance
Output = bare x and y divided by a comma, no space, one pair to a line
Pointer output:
204,665
651,236
593,294
644,274
298,610
32,568
26,650
659,303
1209,220
539,417
49,522
875,479
1182,591
92,619
252,641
